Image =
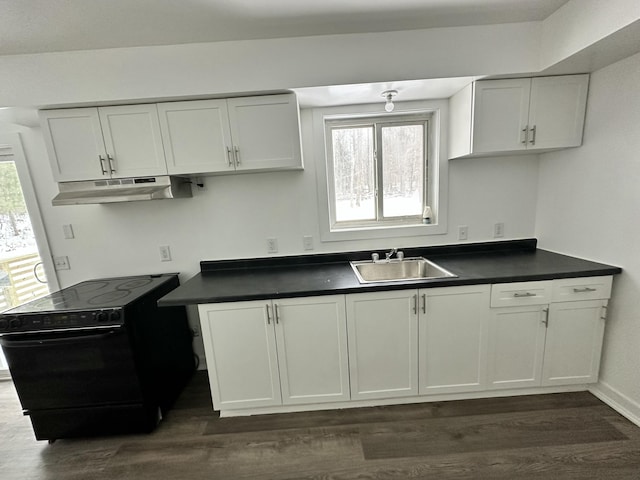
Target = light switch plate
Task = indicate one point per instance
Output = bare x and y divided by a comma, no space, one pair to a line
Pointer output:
61,263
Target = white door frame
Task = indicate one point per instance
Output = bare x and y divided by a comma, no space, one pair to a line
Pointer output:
14,141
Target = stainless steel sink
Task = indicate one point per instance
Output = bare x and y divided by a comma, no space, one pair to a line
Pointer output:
414,268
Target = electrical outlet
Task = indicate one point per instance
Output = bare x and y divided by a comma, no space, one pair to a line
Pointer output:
498,230
61,263
307,242
165,253
272,245
463,232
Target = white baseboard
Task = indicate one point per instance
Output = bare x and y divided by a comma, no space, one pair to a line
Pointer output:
622,404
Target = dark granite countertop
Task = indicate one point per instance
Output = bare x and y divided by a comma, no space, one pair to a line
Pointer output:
326,274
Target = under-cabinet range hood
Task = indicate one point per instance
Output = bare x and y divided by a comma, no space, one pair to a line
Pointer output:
122,190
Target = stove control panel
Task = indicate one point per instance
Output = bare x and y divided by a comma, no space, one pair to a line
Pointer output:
58,321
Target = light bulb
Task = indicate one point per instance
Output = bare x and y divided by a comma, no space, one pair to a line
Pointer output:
388,95
389,105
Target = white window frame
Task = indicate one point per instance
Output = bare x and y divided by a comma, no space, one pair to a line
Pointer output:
377,123
437,173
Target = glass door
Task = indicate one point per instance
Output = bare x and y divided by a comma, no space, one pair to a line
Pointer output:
22,276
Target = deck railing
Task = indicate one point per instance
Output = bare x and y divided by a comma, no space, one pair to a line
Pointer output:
21,284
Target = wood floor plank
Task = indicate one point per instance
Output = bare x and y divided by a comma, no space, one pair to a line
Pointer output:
487,432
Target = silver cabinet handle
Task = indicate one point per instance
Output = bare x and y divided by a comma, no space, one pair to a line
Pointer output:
524,295
584,290
424,303
525,136
546,317
415,303
236,154
229,157
277,310
533,136
604,312
111,167
268,315
104,170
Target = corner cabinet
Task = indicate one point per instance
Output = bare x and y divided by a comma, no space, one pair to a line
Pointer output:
269,353
103,142
518,115
553,338
234,135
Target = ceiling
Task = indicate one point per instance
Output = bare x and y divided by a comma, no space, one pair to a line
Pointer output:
37,26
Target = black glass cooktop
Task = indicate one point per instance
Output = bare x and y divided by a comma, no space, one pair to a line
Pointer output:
94,294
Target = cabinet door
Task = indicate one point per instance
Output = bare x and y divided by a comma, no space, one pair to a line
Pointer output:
574,342
240,346
516,346
311,336
383,344
133,141
265,132
74,142
557,111
501,111
453,334
196,135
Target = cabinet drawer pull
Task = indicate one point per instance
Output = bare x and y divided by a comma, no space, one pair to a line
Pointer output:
277,313
415,304
104,170
236,154
546,317
533,136
524,295
525,134
111,167
229,157
424,303
584,290
268,315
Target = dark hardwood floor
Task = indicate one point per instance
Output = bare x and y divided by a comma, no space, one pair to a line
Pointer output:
550,437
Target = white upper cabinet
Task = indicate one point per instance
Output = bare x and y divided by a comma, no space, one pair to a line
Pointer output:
197,136
511,116
73,138
103,142
265,132
233,135
133,141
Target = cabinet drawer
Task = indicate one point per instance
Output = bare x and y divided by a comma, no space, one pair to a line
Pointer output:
521,293
588,288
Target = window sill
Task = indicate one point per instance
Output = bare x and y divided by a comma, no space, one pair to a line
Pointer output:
366,233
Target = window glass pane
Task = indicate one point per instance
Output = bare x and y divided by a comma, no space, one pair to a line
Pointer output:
353,173
403,170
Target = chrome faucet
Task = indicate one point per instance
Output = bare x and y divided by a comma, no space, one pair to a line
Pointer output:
391,253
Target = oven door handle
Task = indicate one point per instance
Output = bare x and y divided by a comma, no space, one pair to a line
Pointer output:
8,342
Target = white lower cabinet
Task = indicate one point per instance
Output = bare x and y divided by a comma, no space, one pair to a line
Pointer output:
574,342
383,344
269,353
516,346
543,342
376,346
453,339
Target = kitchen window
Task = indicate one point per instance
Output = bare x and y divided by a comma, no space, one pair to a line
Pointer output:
377,171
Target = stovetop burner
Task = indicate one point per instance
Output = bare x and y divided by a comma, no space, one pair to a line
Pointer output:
93,294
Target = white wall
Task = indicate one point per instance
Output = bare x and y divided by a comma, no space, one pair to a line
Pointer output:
588,205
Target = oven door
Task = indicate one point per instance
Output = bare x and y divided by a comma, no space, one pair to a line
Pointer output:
73,368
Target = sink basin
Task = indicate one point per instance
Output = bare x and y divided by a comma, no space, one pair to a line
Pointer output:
415,268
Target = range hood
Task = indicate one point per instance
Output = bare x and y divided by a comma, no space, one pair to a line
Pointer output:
122,190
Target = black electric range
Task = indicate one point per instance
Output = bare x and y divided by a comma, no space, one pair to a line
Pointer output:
99,357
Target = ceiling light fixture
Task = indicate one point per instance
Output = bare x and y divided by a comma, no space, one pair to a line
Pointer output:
389,94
